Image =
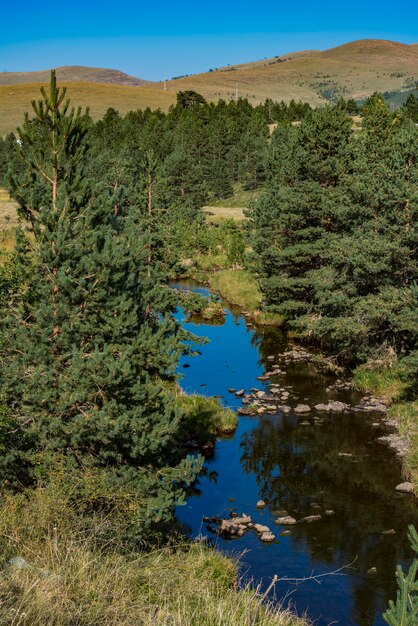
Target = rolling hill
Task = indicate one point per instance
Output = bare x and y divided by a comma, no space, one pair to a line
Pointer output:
352,70
73,73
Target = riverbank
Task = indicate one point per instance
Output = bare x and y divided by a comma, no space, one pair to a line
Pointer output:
57,568
239,288
388,384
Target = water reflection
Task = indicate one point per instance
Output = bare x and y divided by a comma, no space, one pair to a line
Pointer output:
331,466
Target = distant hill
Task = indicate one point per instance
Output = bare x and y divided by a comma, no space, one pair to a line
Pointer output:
73,73
352,70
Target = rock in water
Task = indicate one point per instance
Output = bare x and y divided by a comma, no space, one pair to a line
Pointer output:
260,504
302,408
288,520
261,529
405,488
311,518
267,537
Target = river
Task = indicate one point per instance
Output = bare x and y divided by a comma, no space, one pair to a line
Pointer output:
306,466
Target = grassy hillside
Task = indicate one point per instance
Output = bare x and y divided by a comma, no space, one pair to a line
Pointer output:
356,69
73,73
16,99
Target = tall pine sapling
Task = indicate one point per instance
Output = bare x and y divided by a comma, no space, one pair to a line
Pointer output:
91,352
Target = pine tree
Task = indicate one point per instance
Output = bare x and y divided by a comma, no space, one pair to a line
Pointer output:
404,612
91,350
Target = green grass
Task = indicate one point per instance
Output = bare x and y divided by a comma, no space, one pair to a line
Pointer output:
406,415
388,384
205,417
70,578
238,287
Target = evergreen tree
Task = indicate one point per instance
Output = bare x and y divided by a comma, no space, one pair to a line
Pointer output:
90,351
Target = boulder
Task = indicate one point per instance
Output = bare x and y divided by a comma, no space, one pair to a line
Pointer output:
267,537
311,518
230,527
405,488
259,528
288,520
302,408
332,407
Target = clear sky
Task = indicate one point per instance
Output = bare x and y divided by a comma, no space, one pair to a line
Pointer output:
157,39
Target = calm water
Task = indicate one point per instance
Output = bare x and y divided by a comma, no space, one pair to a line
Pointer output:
298,468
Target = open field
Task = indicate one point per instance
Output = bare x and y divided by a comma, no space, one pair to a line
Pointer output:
215,213
354,70
16,99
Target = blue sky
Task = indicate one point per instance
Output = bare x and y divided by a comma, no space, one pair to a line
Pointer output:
161,38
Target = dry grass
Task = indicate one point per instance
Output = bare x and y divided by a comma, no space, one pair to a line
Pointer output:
216,213
15,100
354,70
66,579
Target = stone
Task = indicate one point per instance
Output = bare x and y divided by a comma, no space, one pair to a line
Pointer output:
372,571
280,512
332,406
391,531
244,519
240,393
19,562
329,512
231,390
260,504
304,423
267,537
259,528
345,454
288,520
311,518
243,411
230,527
405,488
302,408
